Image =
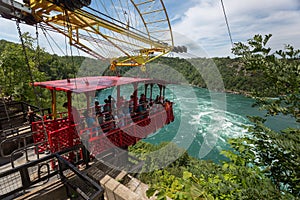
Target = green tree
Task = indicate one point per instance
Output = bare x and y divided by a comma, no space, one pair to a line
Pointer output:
278,153
15,78
190,178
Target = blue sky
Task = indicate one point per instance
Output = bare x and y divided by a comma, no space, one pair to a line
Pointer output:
201,23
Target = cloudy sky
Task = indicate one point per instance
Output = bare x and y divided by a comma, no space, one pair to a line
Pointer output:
202,22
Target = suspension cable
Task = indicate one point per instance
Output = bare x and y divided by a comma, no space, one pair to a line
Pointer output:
69,28
26,57
226,20
29,69
37,58
45,32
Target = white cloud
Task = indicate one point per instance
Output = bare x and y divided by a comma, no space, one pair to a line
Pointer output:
10,33
204,22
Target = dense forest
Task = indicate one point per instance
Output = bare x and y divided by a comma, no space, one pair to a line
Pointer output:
264,165
46,66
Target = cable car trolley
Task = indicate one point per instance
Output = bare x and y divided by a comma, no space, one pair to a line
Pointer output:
119,122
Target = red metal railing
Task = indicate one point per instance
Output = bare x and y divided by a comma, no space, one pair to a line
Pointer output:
59,134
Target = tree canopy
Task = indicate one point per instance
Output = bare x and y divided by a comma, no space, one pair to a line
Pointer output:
277,153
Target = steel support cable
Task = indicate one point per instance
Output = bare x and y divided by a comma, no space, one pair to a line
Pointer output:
110,12
29,69
66,46
226,20
46,32
105,48
126,40
129,14
69,28
127,19
106,15
119,19
93,39
37,63
71,49
37,58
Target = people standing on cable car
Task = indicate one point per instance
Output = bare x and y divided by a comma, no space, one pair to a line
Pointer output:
169,111
157,100
99,114
30,115
161,99
131,104
97,108
106,107
91,124
122,110
90,120
108,117
112,102
141,109
142,99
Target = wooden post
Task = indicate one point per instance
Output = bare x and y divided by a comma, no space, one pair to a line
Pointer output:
54,111
88,101
146,87
160,90
151,90
118,96
69,97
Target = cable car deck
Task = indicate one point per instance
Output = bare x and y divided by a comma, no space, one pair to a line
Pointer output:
55,133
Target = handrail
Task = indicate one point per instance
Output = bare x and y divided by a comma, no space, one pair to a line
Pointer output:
127,122
20,177
18,138
25,149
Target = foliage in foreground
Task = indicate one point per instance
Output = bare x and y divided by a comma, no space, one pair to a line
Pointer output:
264,165
190,178
278,153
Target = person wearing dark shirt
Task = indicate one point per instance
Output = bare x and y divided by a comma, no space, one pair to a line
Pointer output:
98,112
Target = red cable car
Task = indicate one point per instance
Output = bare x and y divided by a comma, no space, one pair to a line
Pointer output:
118,123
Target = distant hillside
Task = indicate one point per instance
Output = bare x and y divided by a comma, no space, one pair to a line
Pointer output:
52,67
233,74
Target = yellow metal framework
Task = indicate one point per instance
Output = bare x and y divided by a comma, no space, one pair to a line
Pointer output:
138,47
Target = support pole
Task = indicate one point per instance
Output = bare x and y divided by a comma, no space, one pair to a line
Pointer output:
160,90
151,91
118,96
146,88
54,111
135,93
69,97
88,101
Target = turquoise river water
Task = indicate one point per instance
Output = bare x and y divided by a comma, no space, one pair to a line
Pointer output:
198,117
204,120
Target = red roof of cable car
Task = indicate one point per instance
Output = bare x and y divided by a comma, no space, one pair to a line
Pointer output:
87,84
